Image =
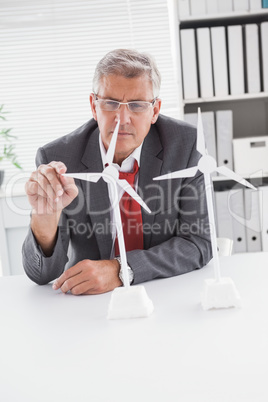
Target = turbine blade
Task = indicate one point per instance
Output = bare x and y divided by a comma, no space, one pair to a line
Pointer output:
200,142
189,172
128,189
93,177
111,149
234,176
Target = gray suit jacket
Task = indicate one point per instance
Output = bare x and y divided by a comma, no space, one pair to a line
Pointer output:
176,233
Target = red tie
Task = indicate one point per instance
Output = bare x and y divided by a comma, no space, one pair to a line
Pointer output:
131,216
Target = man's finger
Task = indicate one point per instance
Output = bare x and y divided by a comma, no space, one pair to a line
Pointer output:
39,185
50,182
69,273
84,288
60,167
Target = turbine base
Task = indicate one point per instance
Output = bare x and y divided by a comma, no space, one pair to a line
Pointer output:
129,303
220,294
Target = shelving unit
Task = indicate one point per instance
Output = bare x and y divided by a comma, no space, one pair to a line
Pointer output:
228,98
216,19
250,110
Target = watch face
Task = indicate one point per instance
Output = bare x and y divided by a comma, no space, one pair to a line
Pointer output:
130,274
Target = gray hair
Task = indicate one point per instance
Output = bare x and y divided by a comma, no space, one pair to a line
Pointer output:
129,64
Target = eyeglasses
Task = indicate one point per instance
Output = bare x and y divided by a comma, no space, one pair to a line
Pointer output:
136,106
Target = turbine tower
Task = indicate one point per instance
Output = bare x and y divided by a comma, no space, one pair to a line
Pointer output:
128,301
218,292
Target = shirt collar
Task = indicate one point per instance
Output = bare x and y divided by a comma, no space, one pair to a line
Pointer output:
128,163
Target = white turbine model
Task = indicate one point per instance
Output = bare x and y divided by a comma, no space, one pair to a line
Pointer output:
126,302
218,292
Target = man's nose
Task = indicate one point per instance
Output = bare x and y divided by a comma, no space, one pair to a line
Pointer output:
123,114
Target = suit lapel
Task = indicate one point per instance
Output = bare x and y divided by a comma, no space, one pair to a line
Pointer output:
150,166
97,197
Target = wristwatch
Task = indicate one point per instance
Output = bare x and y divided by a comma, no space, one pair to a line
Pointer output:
130,272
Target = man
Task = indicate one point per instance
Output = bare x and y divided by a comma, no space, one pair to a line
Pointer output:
72,221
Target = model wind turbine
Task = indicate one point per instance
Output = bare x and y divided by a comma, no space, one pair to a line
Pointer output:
128,301
218,292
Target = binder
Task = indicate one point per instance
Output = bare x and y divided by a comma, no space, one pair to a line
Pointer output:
219,61
252,215
237,211
189,64
212,7
264,47
224,130
191,118
198,7
255,4
208,119
204,63
210,133
241,5
184,8
252,58
236,61
223,216
263,203
225,6
230,216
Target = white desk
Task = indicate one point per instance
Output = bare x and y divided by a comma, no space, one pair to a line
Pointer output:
57,347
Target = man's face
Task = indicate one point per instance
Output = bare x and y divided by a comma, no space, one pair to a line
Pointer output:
133,126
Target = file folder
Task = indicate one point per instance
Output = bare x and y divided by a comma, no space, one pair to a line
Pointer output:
263,198
198,7
240,5
255,4
219,61
208,119
225,6
264,47
253,224
189,64
184,8
191,118
224,130
230,216
237,211
236,59
212,6
252,58
205,63
223,216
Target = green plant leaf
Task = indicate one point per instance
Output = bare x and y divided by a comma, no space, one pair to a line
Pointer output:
8,148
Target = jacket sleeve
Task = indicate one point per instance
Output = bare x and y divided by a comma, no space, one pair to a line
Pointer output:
38,267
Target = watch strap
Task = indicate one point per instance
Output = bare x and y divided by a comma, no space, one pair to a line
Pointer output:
130,272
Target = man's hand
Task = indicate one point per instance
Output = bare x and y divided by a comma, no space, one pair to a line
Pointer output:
90,277
48,192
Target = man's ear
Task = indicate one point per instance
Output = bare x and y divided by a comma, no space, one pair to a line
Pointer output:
156,109
93,106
